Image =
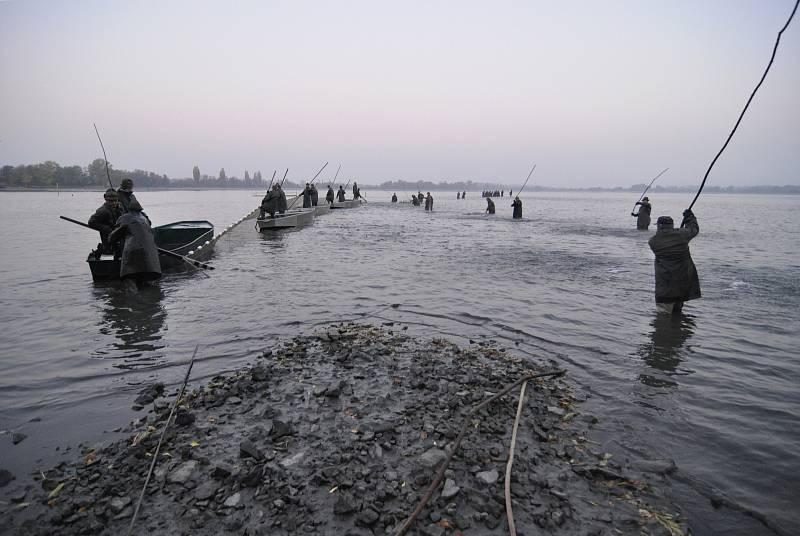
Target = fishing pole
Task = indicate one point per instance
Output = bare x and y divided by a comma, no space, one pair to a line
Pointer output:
272,179
334,177
312,182
526,180
105,158
747,105
645,191
166,252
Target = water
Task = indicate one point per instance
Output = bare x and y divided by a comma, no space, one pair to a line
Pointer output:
572,282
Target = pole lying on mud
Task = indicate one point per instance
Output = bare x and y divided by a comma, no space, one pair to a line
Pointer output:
645,191
747,105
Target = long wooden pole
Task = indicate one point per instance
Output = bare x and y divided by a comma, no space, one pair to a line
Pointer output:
105,158
645,191
526,180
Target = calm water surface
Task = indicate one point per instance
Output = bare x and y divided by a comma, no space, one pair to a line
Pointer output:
573,282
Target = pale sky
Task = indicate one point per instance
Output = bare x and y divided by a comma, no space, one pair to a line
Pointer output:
597,93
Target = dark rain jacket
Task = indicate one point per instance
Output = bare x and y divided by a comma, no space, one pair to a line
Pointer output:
643,216
414,200
340,194
139,251
517,204
103,220
394,198
306,197
676,275
356,192
314,196
270,202
429,202
126,197
489,206
330,196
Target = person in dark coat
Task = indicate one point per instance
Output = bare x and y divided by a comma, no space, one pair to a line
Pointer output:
329,197
307,196
458,195
281,200
463,194
429,202
314,195
517,204
414,200
394,198
340,195
126,197
356,191
271,201
676,275
105,219
643,216
489,205
139,263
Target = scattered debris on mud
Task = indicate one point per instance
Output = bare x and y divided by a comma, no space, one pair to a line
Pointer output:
341,433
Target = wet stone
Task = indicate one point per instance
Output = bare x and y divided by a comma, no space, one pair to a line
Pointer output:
233,501
432,457
118,504
248,449
18,437
450,489
488,477
182,473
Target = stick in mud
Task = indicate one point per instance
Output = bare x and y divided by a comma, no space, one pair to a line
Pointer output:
512,529
440,473
158,447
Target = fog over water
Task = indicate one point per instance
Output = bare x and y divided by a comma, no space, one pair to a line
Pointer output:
572,282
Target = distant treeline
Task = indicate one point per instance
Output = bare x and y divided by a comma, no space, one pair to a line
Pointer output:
471,186
51,174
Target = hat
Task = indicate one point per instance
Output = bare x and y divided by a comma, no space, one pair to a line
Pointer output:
111,192
126,184
645,199
664,222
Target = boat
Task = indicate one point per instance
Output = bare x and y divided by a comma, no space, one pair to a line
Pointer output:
191,239
292,218
319,210
347,203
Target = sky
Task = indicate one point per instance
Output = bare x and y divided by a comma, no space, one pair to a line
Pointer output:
595,93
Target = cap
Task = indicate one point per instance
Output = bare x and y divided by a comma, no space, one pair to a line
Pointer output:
665,222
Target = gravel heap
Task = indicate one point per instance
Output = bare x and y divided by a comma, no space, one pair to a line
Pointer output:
341,433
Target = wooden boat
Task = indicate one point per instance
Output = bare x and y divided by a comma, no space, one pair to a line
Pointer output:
292,218
321,209
192,239
348,203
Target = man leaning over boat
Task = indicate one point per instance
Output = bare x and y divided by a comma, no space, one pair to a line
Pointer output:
139,263
104,219
274,201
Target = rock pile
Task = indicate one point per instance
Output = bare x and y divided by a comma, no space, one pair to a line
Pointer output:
341,433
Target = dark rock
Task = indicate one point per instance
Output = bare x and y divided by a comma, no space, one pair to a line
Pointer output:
345,504
660,467
368,516
18,437
248,449
488,477
183,417
148,394
5,477
280,429
118,504
205,491
221,472
432,457
182,473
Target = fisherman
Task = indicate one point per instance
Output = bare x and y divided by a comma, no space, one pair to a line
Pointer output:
464,194
429,202
329,197
489,205
458,195
356,191
307,196
139,263
314,195
414,200
517,204
420,197
269,205
126,197
643,216
501,193
510,192
104,219
281,200
676,275
340,194
394,198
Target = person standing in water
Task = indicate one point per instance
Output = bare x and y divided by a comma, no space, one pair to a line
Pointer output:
340,194
139,263
643,216
676,275
517,204
489,205
329,197
429,202
394,198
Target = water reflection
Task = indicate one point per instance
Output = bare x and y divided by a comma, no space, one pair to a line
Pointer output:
665,351
136,321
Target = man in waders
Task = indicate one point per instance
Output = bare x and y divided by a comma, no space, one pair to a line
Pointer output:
643,216
489,205
676,275
517,204
340,195
139,263
394,198
329,196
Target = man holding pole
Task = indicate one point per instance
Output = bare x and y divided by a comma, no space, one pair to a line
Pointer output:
676,275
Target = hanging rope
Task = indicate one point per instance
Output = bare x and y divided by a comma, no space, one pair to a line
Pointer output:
753,94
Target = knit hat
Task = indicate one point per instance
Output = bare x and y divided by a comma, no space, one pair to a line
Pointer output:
664,222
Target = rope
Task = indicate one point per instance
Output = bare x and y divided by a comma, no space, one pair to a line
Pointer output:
753,94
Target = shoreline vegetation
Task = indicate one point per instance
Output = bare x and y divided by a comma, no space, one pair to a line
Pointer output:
50,176
347,430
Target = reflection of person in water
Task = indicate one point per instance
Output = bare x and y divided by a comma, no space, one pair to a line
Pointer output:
665,351
137,324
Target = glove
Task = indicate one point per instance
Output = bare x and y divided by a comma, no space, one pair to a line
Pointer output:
688,213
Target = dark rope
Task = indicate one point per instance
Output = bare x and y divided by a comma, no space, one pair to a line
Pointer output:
753,94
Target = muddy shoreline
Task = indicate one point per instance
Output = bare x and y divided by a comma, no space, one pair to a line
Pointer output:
341,432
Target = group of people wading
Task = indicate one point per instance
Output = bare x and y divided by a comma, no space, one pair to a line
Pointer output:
275,200
126,232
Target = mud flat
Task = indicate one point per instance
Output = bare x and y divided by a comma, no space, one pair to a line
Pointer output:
341,432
